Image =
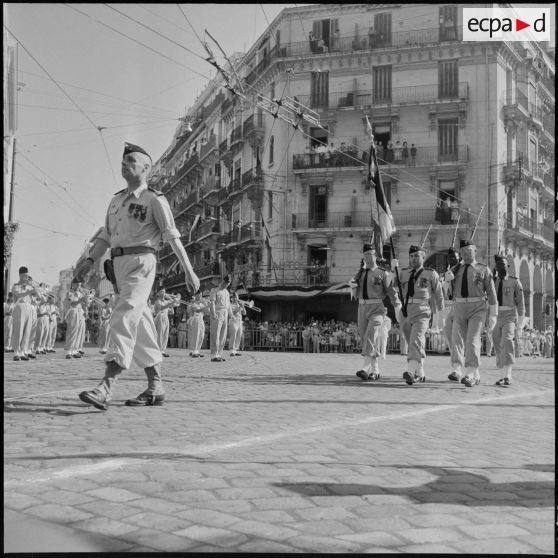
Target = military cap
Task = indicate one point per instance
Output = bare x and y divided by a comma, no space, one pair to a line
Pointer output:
75,280
131,148
413,249
227,278
464,243
499,258
23,269
367,247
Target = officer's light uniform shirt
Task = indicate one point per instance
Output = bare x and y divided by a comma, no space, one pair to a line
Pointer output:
427,288
138,218
479,282
512,298
379,283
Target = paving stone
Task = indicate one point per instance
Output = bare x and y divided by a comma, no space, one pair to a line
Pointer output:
264,546
158,521
493,530
431,535
380,538
217,537
159,541
315,543
114,494
264,530
208,517
58,513
16,501
104,526
282,503
66,497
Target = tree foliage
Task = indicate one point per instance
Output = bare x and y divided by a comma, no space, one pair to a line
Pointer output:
10,229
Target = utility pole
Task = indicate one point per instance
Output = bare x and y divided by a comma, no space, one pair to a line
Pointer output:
10,217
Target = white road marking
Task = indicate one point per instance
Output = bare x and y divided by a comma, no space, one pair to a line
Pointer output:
203,450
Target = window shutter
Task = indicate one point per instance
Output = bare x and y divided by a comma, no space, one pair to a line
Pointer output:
317,29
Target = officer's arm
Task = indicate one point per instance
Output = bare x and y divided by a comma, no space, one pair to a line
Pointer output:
437,292
519,299
389,285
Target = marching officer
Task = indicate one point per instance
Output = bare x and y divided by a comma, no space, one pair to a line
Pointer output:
511,311
196,325
220,311
472,284
235,324
370,285
453,260
422,297
137,218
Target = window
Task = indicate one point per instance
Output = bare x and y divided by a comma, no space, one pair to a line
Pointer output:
319,89
317,209
448,79
532,155
382,29
381,85
448,23
447,210
447,140
318,138
270,205
271,146
324,30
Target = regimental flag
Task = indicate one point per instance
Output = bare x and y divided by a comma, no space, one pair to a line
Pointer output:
380,207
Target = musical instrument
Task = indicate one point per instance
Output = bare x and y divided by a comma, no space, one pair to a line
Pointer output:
85,292
42,291
249,304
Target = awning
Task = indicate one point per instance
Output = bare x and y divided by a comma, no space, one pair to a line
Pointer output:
293,293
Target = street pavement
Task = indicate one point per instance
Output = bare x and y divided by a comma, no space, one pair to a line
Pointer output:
279,452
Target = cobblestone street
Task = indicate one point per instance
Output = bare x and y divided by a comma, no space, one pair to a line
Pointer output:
279,452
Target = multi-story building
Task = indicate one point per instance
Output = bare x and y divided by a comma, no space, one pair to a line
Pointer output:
65,283
465,133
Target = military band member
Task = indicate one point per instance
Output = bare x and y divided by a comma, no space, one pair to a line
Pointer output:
219,309
511,314
104,326
8,323
137,218
22,292
33,327
54,314
182,333
196,326
162,307
43,326
423,297
472,284
73,319
370,285
235,324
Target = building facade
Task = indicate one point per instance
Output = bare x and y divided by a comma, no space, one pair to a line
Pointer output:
465,133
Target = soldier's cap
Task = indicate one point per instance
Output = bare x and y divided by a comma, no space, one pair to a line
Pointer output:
23,269
75,280
368,247
131,148
106,299
227,278
464,243
499,258
452,250
413,249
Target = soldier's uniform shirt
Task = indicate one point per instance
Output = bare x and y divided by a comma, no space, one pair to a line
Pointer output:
470,313
196,325
510,308
427,298
8,324
373,285
21,316
138,218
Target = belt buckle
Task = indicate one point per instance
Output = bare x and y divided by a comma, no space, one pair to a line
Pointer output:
115,252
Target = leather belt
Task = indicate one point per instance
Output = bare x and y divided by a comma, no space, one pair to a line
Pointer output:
506,307
369,300
470,299
419,300
115,252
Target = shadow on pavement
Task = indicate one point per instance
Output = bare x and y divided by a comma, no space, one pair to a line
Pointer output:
450,487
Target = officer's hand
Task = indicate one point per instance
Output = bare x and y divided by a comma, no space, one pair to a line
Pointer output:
492,322
449,276
394,264
192,280
353,284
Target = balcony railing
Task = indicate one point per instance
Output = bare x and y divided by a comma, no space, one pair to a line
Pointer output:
188,166
207,270
535,112
205,229
190,200
250,231
224,146
236,135
284,273
235,184
212,183
424,156
362,219
397,95
535,227
549,124
206,149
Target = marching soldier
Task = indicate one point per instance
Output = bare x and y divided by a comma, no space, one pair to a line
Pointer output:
104,326
423,297
137,218
73,320
235,324
370,285
8,323
220,310
453,260
511,311
472,283
196,325
54,313
162,307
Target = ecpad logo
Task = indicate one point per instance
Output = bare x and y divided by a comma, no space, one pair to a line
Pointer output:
506,24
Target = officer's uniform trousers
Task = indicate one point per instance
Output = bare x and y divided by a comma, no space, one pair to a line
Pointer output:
33,328
133,336
182,335
218,330
448,326
73,331
8,330
196,331
468,322
21,327
235,332
370,320
503,336
414,328
104,332
53,328
162,326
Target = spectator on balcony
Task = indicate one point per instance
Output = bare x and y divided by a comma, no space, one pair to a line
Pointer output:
321,150
454,209
405,154
380,152
390,154
413,155
449,29
313,42
335,46
321,47
371,37
397,152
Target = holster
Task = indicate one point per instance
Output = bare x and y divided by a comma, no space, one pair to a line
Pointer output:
108,266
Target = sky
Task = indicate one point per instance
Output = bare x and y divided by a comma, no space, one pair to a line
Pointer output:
77,75
87,85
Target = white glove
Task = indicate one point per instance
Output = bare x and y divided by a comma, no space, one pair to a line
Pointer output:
449,276
353,284
492,322
394,264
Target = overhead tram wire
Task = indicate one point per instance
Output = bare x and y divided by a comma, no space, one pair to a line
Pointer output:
189,23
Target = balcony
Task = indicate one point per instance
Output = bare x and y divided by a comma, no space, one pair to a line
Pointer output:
207,270
210,189
362,219
205,230
329,159
188,166
223,195
411,95
549,126
535,114
527,228
237,139
254,129
208,148
241,235
283,273
224,146
262,65
191,199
